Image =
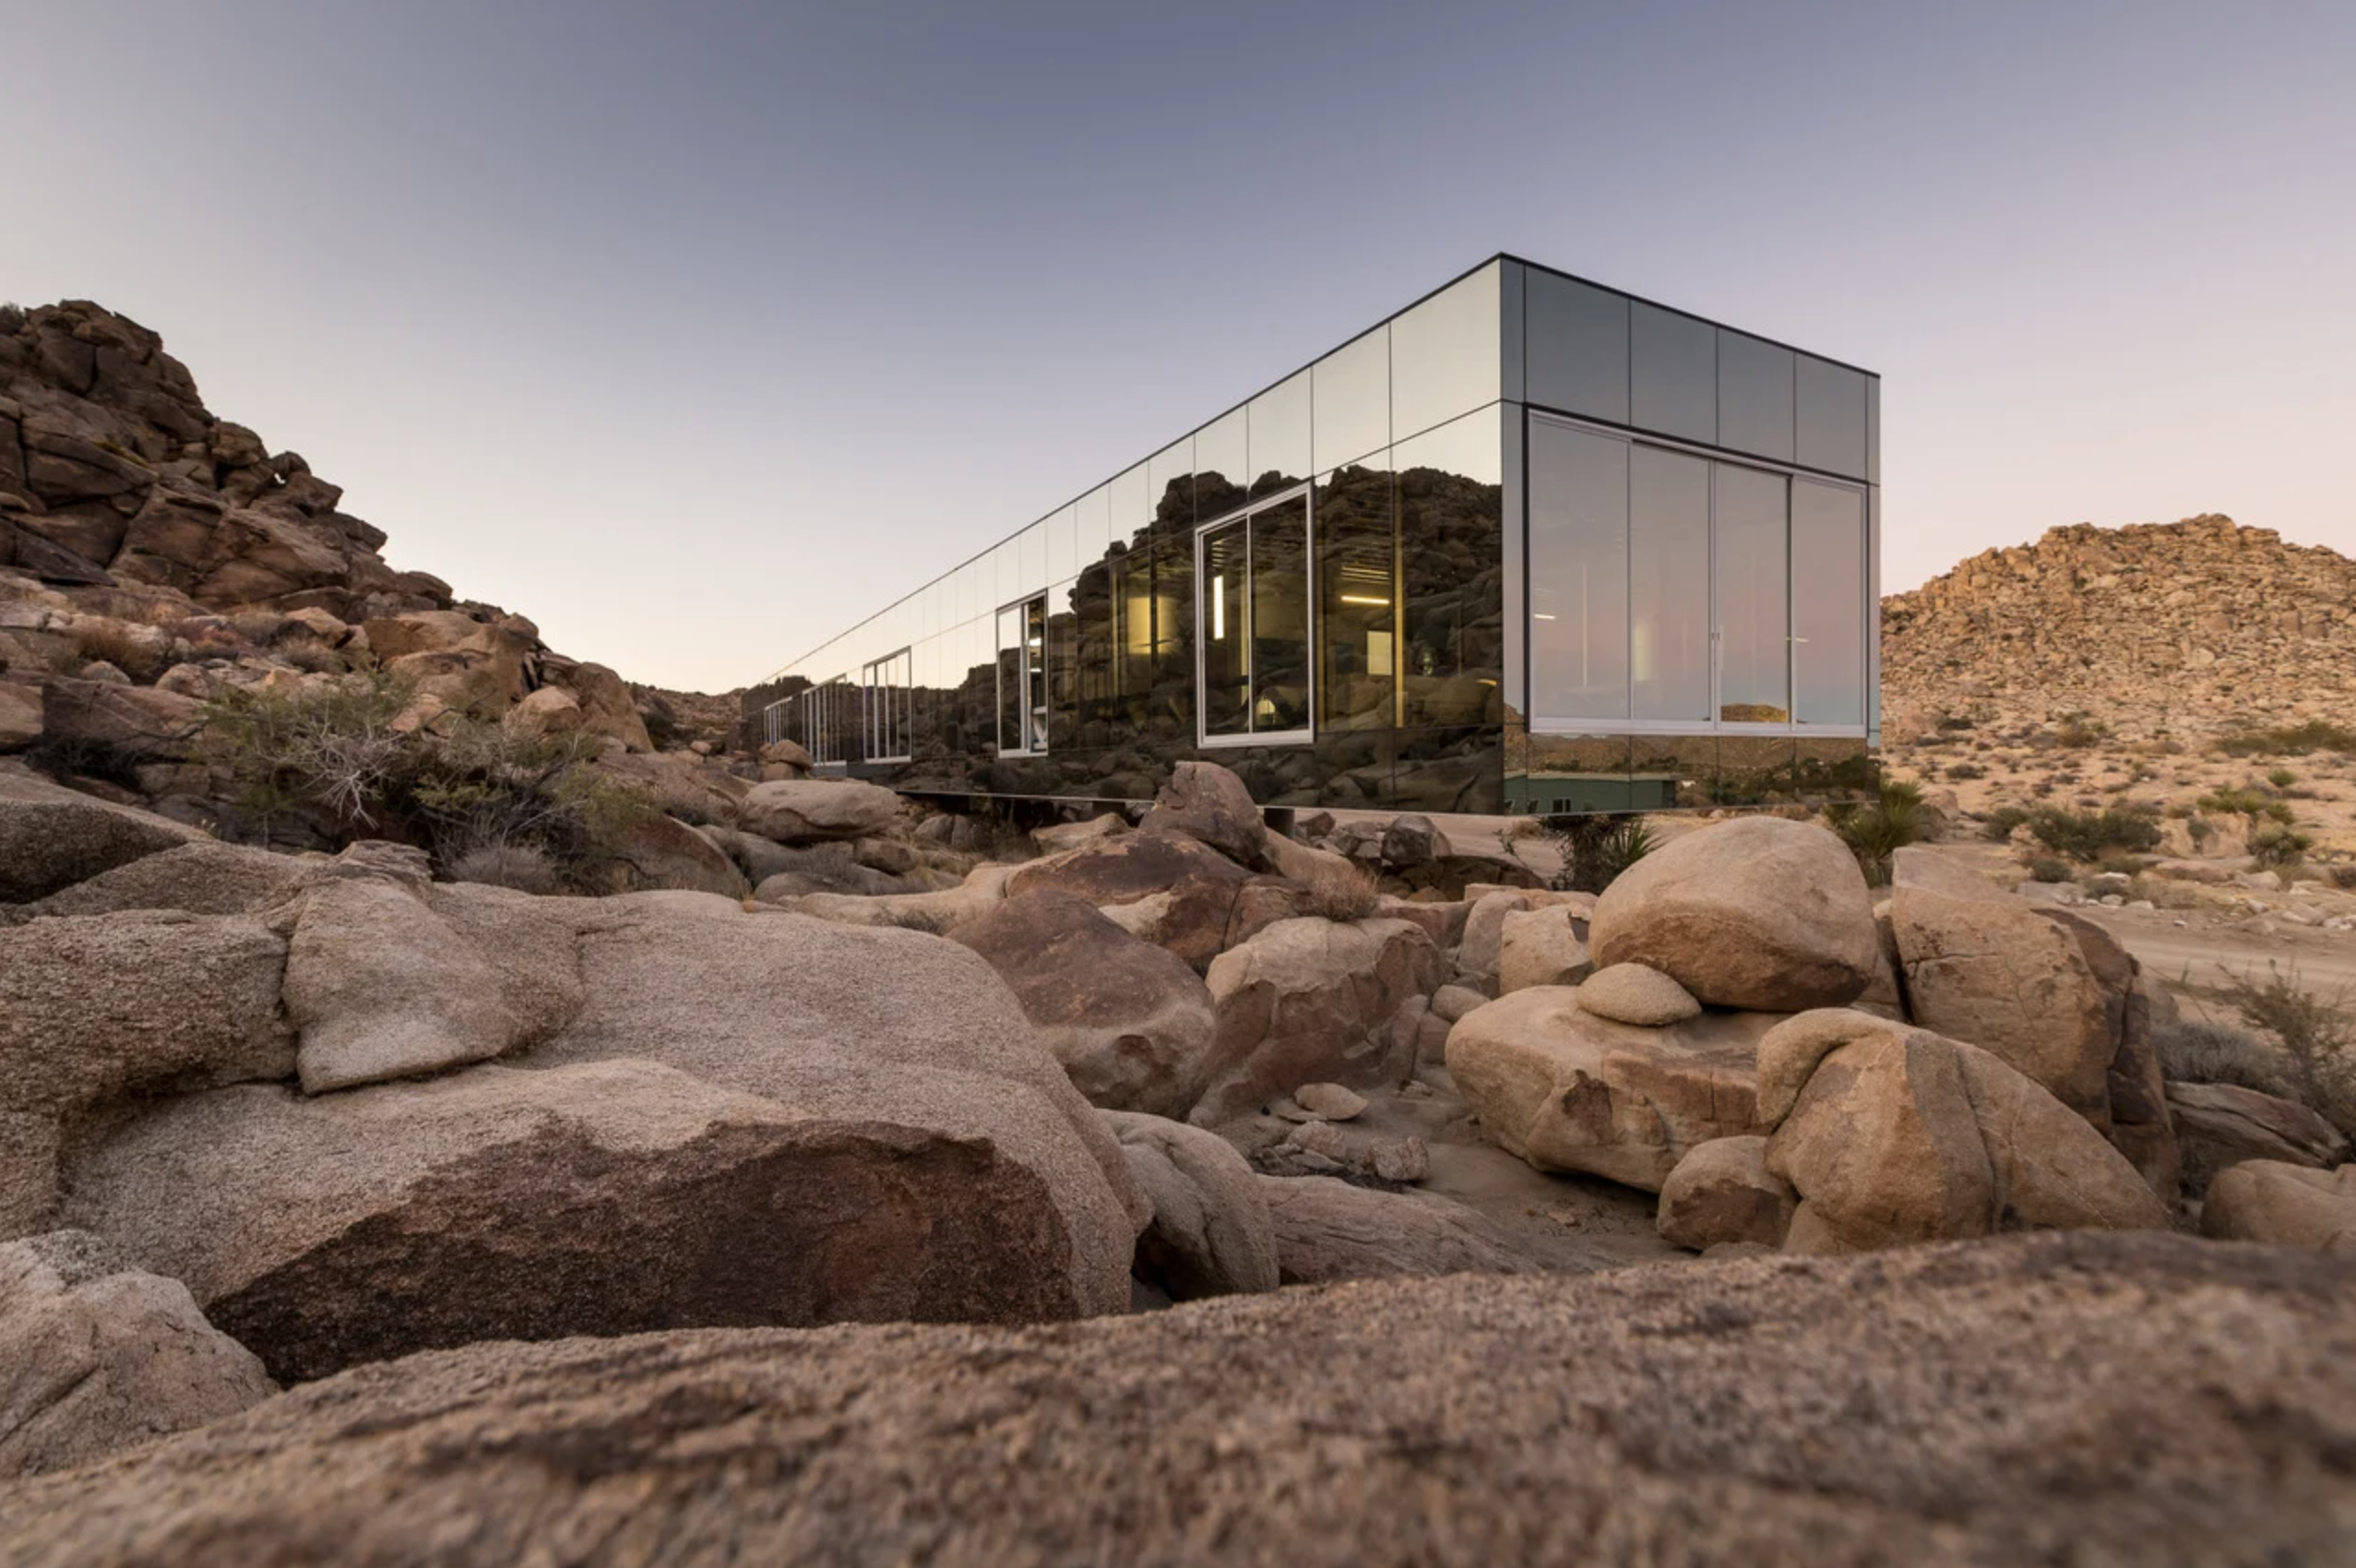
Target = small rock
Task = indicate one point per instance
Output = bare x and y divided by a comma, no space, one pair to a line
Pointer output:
1638,994
1407,1160
1331,1101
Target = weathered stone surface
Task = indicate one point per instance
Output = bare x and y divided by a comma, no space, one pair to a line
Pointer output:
1454,1423
1895,1134
1211,804
605,705
21,719
1633,994
1723,1192
1340,889
934,912
1177,891
1131,1023
2286,1205
202,877
1481,947
2219,1126
1753,912
98,1008
859,1025
471,665
551,710
1568,1091
96,1356
663,853
1412,840
52,837
1327,1229
381,987
1211,1233
809,811
605,1197
1981,966
1329,1101
1059,837
1313,1000
1542,947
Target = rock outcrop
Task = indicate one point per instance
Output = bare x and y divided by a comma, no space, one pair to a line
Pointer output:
1210,1234
1445,1423
96,1356
1754,912
1570,1091
2289,1206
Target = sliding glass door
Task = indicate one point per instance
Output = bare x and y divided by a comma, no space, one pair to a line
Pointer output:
1674,591
1252,586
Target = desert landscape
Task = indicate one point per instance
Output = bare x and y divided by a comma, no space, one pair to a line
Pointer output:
459,1107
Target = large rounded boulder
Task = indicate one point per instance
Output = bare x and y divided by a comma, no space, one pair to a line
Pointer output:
1757,913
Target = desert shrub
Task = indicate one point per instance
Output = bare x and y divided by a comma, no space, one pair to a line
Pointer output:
1596,850
2278,848
12,317
1963,771
330,748
2248,802
1999,824
2343,878
2318,1032
2077,732
2281,777
519,866
1350,898
2083,836
2049,868
1951,722
119,644
1876,832
2296,740
2218,1054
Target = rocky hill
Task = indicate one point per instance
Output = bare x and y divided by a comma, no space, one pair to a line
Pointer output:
2188,630
157,560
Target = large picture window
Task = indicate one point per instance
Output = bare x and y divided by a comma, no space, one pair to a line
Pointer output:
1252,596
1674,591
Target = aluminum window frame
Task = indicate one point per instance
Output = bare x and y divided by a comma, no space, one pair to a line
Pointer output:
1305,493
877,716
1034,736
1540,724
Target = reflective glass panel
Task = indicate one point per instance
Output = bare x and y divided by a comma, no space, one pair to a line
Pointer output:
1672,373
1578,572
1222,465
1443,355
1873,428
1279,604
1092,525
1010,679
1131,512
1060,562
1754,396
1669,584
1575,340
1831,417
1034,615
1754,589
1451,505
1828,604
1277,427
1351,406
1573,773
1357,588
1170,482
1031,559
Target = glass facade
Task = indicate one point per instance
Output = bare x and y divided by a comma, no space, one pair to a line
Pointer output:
1531,545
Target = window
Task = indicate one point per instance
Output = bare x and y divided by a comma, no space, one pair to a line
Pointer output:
1251,592
824,719
1022,677
887,687
1670,592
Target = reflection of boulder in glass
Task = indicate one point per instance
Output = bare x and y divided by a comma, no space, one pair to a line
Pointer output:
1451,536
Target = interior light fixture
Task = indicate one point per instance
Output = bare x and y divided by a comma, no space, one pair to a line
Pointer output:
1364,599
1539,617
1219,607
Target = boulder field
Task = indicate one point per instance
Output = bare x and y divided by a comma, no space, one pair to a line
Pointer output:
582,1200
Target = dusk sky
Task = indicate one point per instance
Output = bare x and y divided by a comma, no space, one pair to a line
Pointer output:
697,331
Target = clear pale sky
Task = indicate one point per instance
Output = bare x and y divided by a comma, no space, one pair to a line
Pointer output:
696,331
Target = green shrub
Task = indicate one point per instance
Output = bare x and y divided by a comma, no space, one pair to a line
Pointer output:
2077,732
2083,836
2000,822
2318,1032
2281,777
2296,740
2279,848
1962,771
2048,868
2248,802
1876,832
331,749
1596,850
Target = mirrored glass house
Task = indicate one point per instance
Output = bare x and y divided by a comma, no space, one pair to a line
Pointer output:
1529,546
